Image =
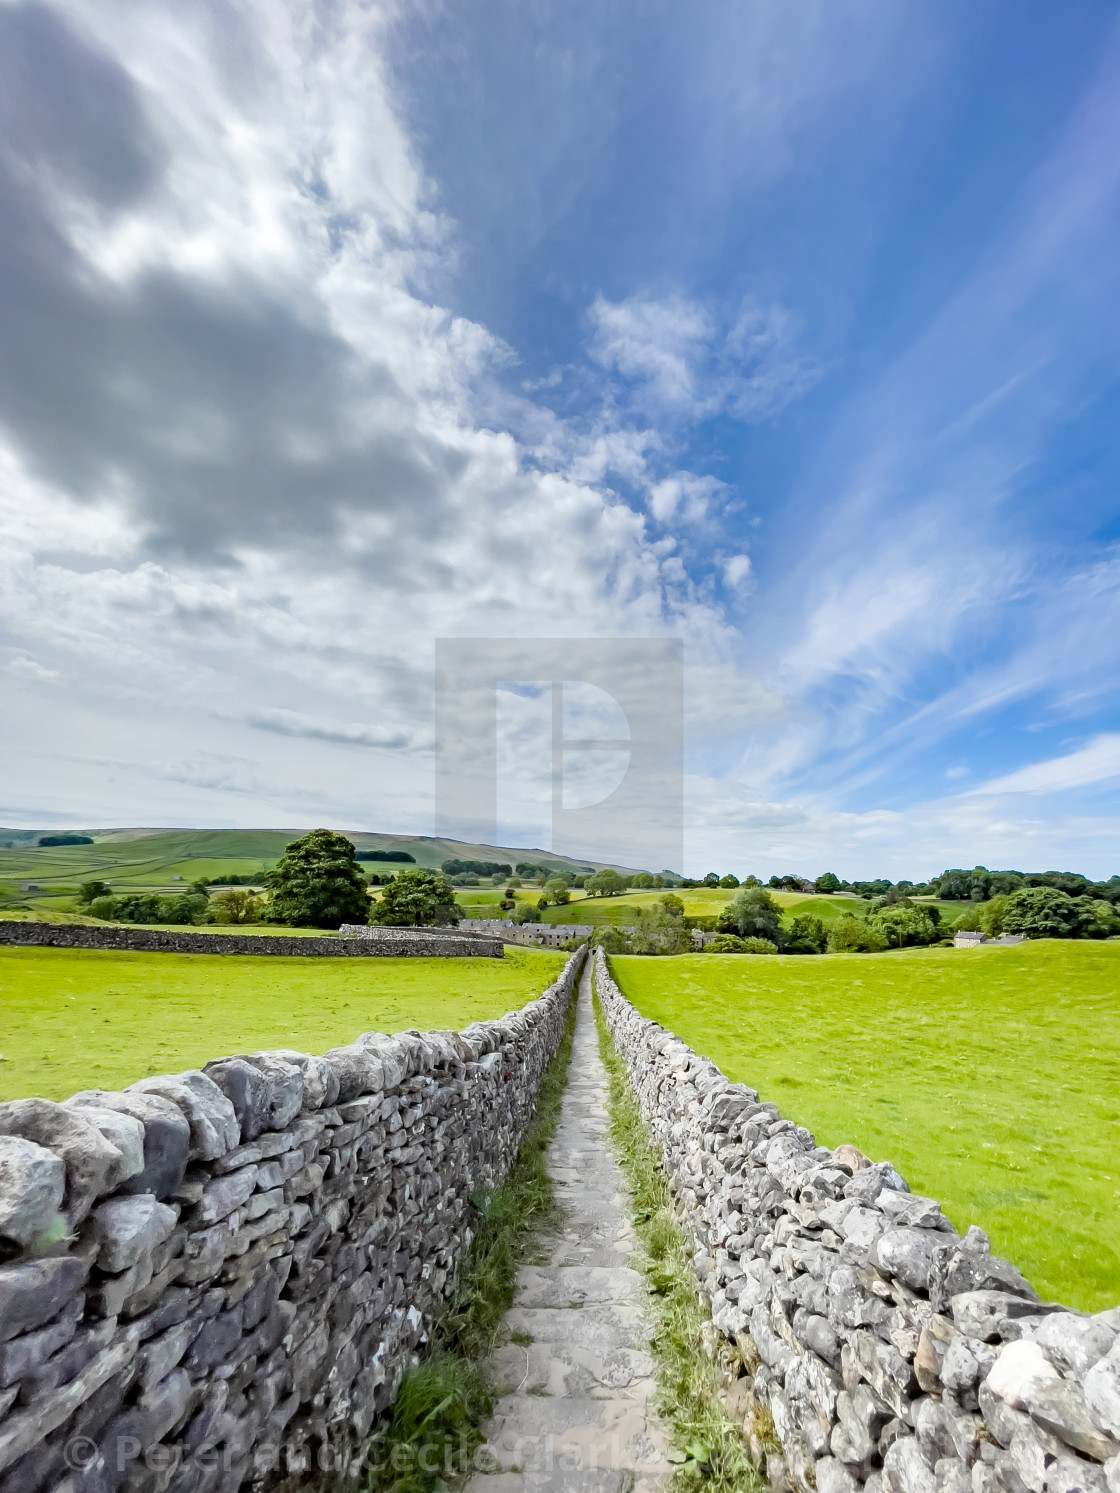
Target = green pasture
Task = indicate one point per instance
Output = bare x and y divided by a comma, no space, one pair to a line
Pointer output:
75,1018
703,902
989,1077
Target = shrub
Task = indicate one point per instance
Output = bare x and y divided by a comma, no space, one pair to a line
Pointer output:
317,884
525,912
806,935
46,840
103,907
759,946
726,943
851,935
417,899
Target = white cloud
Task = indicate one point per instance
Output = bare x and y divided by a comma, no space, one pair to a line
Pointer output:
736,570
1096,762
27,668
684,361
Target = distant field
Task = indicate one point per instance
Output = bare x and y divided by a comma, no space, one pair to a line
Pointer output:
990,1077
73,1019
698,902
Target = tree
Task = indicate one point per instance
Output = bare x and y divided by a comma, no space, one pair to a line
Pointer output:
417,899
661,929
1045,912
729,882
556,890
316,883
606,883
851,935
905,927
829,882
189,908
525,912
712,879
91,889
235,906
806,935
753,913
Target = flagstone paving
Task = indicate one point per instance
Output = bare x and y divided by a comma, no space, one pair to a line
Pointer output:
575,1376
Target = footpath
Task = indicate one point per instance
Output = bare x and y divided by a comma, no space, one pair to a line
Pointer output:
575,1376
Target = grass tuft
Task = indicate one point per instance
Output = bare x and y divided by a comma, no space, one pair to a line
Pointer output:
434,1427
709,1446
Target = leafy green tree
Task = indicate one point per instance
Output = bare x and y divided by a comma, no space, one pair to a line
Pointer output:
712,879
753,913
851,935
829,882
661,929
188,908
556,890
91,889
905,927
729,882
606,883
1045,912
752,945
104,908
806,935
417,899
525,912
234,907
643,880
317,883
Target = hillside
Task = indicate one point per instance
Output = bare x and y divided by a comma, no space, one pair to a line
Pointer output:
166,859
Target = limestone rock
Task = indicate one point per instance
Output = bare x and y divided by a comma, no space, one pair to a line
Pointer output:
1077,1342
87,1156
1102,1392
213,1124
1017,1365
1060,1407
32,1182
128,1228
905,1254
34,1291
166,1136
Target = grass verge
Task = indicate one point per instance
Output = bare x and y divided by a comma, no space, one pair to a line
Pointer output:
434,1426
710,1446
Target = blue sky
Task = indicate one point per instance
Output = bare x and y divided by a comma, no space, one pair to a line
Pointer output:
791,330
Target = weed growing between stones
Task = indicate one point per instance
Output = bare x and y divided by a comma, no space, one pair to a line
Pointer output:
708,1444
433,1430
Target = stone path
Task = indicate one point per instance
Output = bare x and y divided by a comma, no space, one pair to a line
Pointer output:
575,1375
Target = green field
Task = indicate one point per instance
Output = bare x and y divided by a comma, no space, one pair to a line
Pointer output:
133,860
76,1018
990,1077
698,902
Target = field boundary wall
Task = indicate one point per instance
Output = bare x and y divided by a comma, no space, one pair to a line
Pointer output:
415,943
890,1353
217,1278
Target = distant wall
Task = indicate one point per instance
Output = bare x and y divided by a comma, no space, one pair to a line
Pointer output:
406,941
251,1254
891,1354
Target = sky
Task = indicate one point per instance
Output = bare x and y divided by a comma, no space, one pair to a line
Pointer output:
788,330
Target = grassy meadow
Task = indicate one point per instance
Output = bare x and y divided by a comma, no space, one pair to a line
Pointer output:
701,902
78,1018
990,1077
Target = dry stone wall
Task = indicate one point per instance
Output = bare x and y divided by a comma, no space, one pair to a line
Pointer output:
892,1354
218,1278
392,943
